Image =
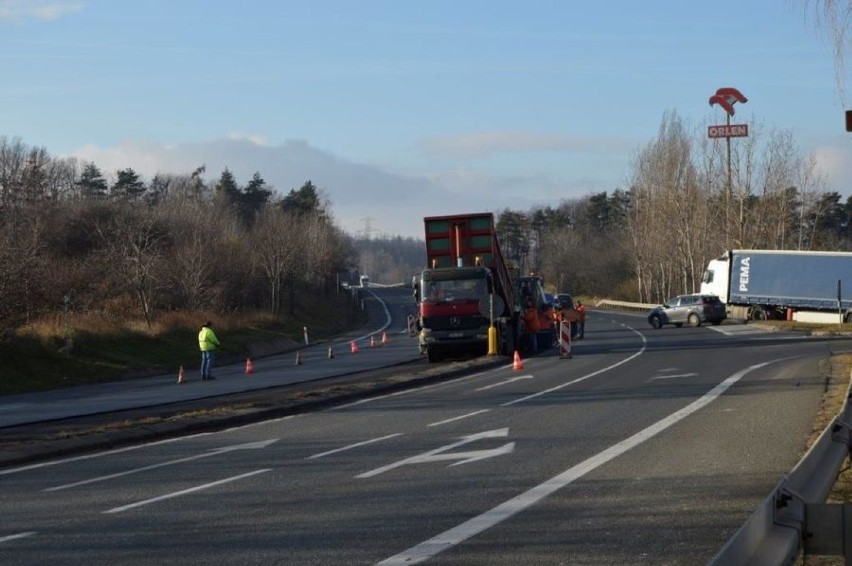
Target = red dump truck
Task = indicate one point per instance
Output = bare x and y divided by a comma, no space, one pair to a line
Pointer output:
466,289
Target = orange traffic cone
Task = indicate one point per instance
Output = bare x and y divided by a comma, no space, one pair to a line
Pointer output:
330,353
298,357
384,338
372,341
518,365
249,366
181,375
353,347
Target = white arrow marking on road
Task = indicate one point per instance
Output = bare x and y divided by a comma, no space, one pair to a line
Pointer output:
439,454
510,380
214,452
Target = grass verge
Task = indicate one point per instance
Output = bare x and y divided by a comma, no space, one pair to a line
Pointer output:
37,357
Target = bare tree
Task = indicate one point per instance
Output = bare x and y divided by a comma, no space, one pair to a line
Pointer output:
133,240
276,243
833,17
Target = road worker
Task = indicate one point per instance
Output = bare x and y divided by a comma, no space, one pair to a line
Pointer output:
581,320
531,325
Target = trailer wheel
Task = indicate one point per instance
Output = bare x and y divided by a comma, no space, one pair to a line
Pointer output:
693,320
759,313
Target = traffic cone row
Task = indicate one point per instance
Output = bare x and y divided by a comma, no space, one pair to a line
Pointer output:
353,346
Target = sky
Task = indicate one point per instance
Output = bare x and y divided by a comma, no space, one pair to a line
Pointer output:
400,109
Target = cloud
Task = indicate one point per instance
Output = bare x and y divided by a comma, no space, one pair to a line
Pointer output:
835,162
362,196
48,10
487,144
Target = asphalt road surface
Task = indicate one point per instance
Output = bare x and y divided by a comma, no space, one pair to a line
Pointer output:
648,447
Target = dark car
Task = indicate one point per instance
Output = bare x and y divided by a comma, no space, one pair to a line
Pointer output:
565,301
688,309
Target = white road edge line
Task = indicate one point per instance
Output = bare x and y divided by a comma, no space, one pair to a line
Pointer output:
460,417
16,537
184,492
349,447
476,525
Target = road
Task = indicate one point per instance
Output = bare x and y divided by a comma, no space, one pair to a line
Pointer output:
648,447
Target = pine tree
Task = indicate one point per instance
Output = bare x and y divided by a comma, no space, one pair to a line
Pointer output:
128,185
92,183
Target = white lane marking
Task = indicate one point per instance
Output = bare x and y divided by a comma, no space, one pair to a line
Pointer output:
415,390
214,452
98,454
438,453
16,537
184,492
479,412
587,376
510,380
476,525
675,376
356,445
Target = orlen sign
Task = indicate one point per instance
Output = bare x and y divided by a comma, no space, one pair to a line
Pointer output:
730,131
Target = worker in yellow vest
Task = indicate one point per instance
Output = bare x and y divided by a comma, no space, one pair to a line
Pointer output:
207,343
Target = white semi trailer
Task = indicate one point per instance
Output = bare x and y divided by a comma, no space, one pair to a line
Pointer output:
781,284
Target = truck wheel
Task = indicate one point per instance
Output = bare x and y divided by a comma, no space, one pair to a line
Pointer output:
433,355
693,320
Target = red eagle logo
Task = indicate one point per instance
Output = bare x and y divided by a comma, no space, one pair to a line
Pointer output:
726,97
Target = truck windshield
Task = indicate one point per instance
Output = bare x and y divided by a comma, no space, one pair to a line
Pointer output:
454,290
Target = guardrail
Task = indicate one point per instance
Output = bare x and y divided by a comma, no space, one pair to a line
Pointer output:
794,517
606,304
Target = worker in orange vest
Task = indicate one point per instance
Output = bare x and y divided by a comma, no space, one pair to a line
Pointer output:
581,320
531,325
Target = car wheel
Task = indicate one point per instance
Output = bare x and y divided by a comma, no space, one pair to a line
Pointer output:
656,322
693,320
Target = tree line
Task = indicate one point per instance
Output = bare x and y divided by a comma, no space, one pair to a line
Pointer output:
68,236
179,242
683,207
